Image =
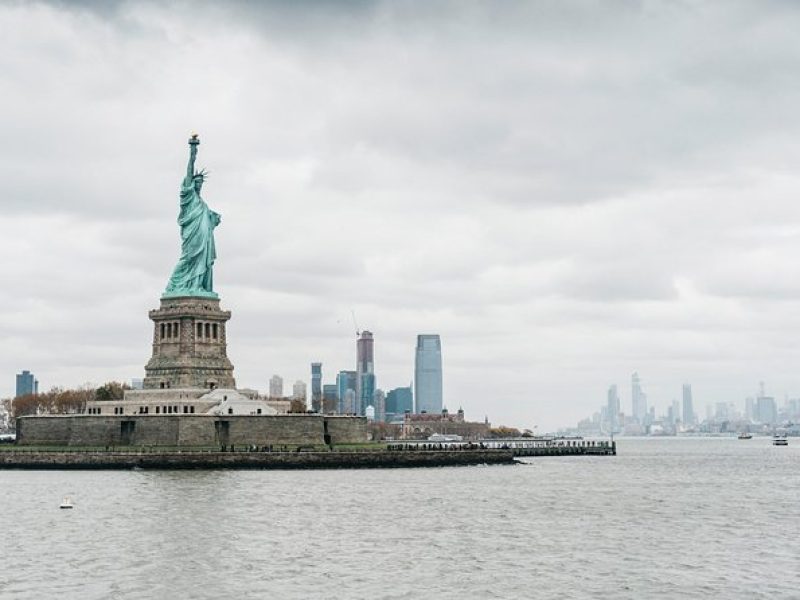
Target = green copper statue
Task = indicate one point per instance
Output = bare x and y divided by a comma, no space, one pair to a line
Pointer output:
193,274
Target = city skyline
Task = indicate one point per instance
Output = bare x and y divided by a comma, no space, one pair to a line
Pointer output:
759,412
572,201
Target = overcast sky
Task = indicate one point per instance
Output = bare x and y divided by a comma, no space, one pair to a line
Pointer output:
566,192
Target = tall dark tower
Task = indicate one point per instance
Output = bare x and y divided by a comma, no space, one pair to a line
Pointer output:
365,371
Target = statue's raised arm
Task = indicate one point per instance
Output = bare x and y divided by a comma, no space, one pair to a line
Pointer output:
194,142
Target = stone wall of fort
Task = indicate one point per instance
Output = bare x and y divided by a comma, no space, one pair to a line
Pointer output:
188,430
39,459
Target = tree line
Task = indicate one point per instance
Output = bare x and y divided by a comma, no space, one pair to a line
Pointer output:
60,401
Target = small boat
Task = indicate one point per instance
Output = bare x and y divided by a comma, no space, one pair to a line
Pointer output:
66,503
745,436
780,440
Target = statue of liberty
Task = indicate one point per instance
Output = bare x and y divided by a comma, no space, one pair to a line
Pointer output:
193,275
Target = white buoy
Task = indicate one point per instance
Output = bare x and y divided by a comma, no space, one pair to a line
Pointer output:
66,503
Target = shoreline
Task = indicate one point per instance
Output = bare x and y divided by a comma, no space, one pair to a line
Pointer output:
211,459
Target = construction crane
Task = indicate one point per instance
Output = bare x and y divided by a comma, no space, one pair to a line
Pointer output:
355,323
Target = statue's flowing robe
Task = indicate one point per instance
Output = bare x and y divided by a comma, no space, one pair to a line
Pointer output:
194,269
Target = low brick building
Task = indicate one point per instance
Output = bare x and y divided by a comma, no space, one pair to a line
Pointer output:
422,426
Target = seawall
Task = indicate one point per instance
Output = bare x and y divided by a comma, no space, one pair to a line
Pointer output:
38,459
189,430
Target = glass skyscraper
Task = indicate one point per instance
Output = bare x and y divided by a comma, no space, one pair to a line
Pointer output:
330,398
428,374
346,382
26,384
399,400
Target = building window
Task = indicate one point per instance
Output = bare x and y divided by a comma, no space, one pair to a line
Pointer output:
162,331
208,330
199,330
258,411
215,330
191,409
175,327
158,410
175,409
230,411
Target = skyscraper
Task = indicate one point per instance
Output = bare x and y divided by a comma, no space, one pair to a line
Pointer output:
346,382
365,371
316,387
612,409
27,384
399,400
349,402
688,405
299,391
674,413
276,386
428,374
766,410
379,402
330,398
638,399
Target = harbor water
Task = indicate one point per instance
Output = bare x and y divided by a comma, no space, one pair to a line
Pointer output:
666,518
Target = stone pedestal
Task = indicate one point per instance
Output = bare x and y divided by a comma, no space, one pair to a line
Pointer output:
189,345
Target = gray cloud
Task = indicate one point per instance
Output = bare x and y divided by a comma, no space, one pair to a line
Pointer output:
564,191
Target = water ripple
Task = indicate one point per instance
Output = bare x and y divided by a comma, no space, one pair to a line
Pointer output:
664,519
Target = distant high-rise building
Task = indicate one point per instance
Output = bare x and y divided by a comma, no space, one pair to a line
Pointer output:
346,381
316,386
299,391
721,412
399,400
365,371
137,384
766,410
276,386
349,402
330,398
749,409
688,405
379,402
638,399
428,374
612,409
26,384
675,409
